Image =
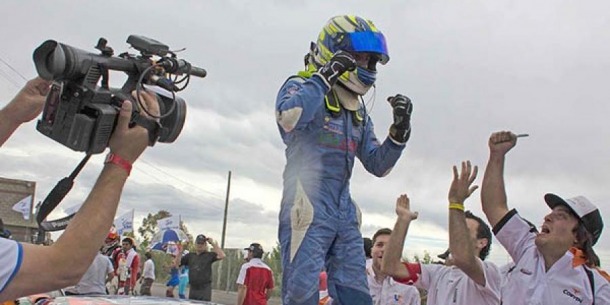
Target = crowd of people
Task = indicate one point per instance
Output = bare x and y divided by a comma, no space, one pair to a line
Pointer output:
193,269
325,127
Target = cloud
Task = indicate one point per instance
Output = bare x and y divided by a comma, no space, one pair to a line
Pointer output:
470,69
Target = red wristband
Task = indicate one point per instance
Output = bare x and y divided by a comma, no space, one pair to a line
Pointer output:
117,160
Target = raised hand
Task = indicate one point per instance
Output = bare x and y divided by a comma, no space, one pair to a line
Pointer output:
461,186
28,103
128,142
400,131
340,63
403,208
501,142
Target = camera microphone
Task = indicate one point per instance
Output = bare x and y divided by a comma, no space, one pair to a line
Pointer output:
181,66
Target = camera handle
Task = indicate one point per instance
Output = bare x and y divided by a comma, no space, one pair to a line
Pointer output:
152,125
53,199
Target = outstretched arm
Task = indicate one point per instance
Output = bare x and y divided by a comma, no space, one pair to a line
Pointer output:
46,268
493,192
178,256
461,241
391,263
24,107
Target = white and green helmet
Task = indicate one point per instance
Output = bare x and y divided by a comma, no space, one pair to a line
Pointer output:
355,35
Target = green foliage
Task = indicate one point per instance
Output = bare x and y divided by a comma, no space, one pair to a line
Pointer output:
225,272
274,260
161,259
149,227
162,262
427,259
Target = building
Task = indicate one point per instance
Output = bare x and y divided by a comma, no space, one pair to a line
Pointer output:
11,192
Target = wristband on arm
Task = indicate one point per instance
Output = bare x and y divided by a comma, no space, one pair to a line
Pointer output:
456,206
115,159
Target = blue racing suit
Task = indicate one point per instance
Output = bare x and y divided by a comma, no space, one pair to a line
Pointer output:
319,222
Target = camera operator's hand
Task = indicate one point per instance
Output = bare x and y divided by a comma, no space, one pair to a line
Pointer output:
27,104
128,143
24,107
400,131
340,63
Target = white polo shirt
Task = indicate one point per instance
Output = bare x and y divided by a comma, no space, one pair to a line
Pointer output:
149,270
450,285
11,255
530,284
390,292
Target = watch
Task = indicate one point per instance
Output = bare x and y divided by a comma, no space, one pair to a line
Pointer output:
117,160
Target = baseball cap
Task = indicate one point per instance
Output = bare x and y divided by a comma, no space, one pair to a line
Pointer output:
588,213
255,247
5,233
445,254
201,239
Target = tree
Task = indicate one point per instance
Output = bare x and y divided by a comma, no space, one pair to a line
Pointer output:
427,259
189,246
149,226
274,260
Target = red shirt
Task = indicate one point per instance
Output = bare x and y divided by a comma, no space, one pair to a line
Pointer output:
258,278
133,268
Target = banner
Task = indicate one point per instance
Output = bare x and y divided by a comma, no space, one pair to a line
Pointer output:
172,222
124,223
24,206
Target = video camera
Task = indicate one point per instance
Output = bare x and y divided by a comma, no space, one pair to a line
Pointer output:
82,115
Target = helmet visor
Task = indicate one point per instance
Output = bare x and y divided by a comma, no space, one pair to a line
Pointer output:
371,42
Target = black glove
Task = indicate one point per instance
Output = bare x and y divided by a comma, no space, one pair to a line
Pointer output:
401,109
340,63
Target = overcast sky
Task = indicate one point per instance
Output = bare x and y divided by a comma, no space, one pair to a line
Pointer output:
470,67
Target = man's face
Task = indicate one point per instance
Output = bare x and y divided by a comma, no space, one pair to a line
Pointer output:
363,59
379,248
557,231
473,228
126,246
201,246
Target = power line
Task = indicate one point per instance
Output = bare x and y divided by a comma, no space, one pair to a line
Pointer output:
179,179
14,70
154,177
10,79
181,191
149,175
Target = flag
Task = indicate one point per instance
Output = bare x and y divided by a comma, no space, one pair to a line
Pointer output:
124,223
24,206
172,222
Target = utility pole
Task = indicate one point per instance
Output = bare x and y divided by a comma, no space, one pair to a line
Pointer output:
224,223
